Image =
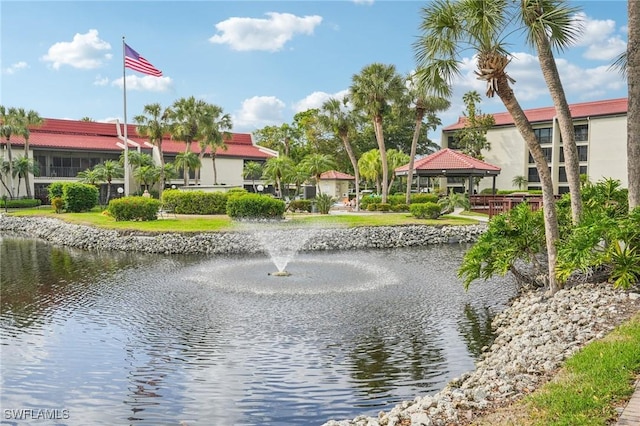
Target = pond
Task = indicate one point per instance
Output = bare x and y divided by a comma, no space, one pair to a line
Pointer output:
119,338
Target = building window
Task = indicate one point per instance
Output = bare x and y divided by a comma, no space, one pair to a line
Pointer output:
562,173
547,154
543,135
533,175
582,132
563,190
453,142
583,152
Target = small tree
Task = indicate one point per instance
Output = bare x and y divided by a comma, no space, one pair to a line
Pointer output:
520,182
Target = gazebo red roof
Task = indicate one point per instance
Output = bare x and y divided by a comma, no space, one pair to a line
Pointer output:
450,162
536,115
336,175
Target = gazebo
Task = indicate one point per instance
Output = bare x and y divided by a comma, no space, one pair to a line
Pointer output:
450,163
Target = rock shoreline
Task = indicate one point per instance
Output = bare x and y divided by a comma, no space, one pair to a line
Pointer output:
59,232
534,335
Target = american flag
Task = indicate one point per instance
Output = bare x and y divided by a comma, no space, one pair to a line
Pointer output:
136,62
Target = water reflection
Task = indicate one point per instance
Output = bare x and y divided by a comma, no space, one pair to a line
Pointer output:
475,328
143,339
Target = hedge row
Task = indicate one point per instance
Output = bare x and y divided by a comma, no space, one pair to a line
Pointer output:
134,208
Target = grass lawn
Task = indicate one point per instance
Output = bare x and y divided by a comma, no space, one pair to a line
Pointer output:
587,391
194,223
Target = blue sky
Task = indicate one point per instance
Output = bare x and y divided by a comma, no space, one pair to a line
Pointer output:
261,61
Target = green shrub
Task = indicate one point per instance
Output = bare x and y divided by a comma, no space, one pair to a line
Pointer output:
372,207
402,207
195,202
324,203
134,208
55,189
369,199
396,199
255,206
383,207
488,191
58,204
300,206
79,197
425,210
20,203
424,198
237,191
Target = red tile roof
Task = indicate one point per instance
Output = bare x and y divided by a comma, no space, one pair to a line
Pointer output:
451,161
70,134
581,110
336,175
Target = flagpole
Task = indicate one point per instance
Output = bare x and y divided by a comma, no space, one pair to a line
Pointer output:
126,137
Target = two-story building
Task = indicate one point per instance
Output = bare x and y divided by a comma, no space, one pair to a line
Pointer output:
601,138
62,148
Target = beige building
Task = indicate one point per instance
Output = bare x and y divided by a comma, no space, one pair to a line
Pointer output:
601,138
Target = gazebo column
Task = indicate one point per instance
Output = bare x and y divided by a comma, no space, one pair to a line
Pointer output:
470,185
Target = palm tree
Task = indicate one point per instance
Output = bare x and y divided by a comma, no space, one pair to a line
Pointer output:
372,91
186,116
450,27
276,169
90,176
316,165
423,103
23,166
213,134
187,161
633,113
370,167
550,24
252,170
395,159
336,118
472,138
25,121
147,175
298,175
107,171
519,181
153,124
7,117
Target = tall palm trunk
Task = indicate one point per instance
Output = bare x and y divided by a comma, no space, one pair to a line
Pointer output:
197,171
565,121
213,164
162,177
633,113
414,147
10,158
377,125
354,164
549,203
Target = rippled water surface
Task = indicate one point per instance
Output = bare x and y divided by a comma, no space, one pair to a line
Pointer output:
124,339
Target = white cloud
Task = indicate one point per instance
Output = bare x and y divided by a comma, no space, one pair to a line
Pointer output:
14,68
599,38
147,83
257,112
86,51
270,34
101,81
316,99
367,2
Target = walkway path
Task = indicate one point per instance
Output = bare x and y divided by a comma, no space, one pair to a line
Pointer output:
631,414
